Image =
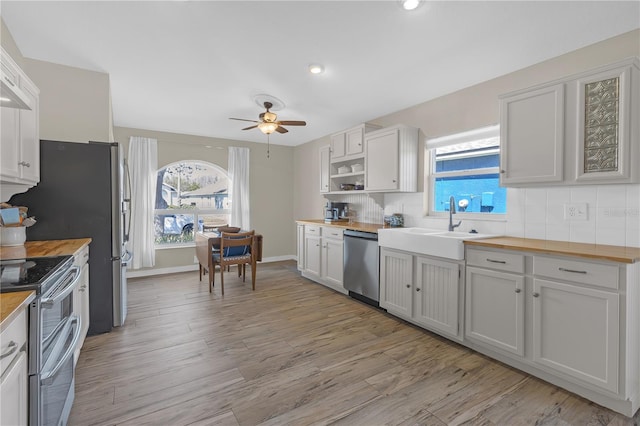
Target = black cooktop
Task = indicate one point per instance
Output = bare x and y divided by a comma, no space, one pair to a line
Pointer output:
32,273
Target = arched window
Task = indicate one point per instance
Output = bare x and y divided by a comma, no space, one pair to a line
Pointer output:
190,195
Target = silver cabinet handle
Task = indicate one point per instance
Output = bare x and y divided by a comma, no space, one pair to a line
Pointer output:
11,348
497,261
536,294
518,290
573,271
408,285
9,81
417,289
24,163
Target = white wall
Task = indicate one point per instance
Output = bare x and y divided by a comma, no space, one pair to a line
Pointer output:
614,210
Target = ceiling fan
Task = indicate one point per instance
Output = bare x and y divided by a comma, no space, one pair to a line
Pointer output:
268,122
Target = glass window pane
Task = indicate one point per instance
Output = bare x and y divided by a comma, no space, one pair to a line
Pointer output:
173,228
473,193
469,162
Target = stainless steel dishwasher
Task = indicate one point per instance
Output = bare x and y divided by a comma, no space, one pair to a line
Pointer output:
361,266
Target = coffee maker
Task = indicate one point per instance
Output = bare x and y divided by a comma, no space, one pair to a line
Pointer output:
336,212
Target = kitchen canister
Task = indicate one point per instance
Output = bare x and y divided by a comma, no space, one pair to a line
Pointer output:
12,235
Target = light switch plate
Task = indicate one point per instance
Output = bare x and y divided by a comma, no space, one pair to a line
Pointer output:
575,211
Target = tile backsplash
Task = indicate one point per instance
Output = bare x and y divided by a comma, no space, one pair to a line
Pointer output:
612,214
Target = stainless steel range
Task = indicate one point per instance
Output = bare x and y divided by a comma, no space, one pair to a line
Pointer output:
54,332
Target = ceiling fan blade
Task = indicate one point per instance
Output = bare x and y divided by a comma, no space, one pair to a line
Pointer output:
250,127
293,123
243,119
281,129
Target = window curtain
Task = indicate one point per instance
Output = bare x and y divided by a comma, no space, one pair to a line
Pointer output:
239,191
143,162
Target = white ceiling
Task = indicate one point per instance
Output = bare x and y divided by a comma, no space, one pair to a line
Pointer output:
187,66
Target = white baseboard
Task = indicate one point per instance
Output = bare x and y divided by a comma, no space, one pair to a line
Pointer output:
188,268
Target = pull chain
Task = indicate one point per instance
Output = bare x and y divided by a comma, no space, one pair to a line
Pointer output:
267,146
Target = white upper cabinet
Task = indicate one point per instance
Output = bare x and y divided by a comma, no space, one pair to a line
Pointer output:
391,159
324,168
349,144
576,130
19,135
532,136
337,145
604,126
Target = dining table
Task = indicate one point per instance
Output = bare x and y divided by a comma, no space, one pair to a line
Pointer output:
206,242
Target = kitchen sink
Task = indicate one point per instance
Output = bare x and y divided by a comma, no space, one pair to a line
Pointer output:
432,242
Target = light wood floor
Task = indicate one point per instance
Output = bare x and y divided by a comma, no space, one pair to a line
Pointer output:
294,352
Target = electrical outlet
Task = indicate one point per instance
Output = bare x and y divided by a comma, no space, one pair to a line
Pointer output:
575,211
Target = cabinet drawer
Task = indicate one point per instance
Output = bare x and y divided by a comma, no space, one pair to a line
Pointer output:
312,230
577,271
502,261
331,232
12,339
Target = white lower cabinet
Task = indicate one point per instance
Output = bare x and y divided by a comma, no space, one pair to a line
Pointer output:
427,296
14,393
14,374
300,246
568,320
332,260
576,331
323,255
396,282
495,309
81,296
437,295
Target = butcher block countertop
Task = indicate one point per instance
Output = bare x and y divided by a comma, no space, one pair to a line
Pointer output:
44,248
12,303
589,251
354,226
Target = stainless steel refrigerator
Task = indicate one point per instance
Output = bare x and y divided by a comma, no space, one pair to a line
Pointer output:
83,192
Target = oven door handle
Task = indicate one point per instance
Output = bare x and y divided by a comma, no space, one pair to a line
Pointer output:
47,377
60,294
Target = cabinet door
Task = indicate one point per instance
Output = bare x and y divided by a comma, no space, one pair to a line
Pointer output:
300,246
29,138
604,102
333,261
576,332
324,169
9,143
338,145
13,392
396,282
312,255
84,296
382,160
495,309
532,136
436,295
355,141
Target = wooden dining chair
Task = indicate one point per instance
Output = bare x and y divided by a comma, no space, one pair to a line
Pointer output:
235,249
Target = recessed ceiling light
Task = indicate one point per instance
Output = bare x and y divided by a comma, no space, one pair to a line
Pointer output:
410,4
316,69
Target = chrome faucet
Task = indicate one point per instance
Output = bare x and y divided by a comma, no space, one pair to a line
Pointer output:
452,210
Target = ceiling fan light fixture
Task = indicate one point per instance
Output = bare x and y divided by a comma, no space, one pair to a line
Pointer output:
316,69
410,4
267,127
269,116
